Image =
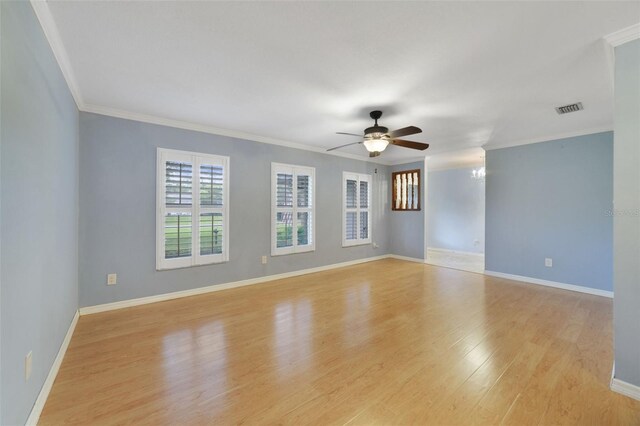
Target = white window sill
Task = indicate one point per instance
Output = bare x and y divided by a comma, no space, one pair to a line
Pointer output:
288,251
171,268
354,244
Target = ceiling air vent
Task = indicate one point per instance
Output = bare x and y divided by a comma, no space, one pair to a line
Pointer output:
569,108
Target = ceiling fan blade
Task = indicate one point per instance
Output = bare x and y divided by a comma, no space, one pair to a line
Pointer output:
409,144
342,146
405,131
349,134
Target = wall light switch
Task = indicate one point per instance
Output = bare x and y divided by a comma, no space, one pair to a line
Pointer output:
375,245
264,260
27,366
112,279
548,262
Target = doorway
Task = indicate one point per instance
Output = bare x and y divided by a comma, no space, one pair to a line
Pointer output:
455,210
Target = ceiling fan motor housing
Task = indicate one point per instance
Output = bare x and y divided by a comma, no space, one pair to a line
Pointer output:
375,131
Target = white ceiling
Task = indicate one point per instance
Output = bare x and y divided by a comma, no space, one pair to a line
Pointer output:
470,74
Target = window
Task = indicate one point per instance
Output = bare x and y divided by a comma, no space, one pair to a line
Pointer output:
293,209
356,217
192,209
406,190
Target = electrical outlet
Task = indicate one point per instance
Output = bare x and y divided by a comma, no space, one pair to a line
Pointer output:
27,365
548,262
112,279
264,260
375,245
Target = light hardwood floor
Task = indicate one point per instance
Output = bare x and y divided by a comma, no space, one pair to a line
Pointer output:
387,342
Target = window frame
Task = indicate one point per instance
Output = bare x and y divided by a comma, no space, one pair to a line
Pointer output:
196,159
358,177
415,194
295,170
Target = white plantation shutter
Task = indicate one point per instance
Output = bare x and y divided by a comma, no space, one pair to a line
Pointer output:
304,210
211,209
211,229
363,225
284,206
193,218
356,225
293,209
177,217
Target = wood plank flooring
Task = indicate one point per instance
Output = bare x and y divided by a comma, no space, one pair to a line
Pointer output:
382,343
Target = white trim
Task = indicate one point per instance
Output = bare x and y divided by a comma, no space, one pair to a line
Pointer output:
624,35
50,29
406,161
295,171
203,128
624,388
459,166
34,416
217,287
563,286
425,206
52,35
196,159
499,145
407,258
359,178
466,253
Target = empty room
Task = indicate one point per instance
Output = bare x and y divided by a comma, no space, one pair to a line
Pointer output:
319,212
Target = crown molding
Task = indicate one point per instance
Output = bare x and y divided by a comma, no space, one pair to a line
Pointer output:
406,161
457,166
179,124
624,35
499,145
50,29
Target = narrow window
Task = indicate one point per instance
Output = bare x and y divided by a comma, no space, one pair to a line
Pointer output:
406,190
356,218
293,209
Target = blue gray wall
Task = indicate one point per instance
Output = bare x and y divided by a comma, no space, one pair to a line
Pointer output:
552,199
118,204
39,203
626,178
407,228
0,218
455,210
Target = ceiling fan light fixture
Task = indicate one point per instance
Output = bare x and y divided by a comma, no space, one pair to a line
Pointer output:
375,145
377,138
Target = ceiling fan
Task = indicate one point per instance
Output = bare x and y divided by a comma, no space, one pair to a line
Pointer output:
376,138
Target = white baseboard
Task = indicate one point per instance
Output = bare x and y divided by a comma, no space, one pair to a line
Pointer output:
626,389
617,385
563,286
408,259
217,287
51,377
442,250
